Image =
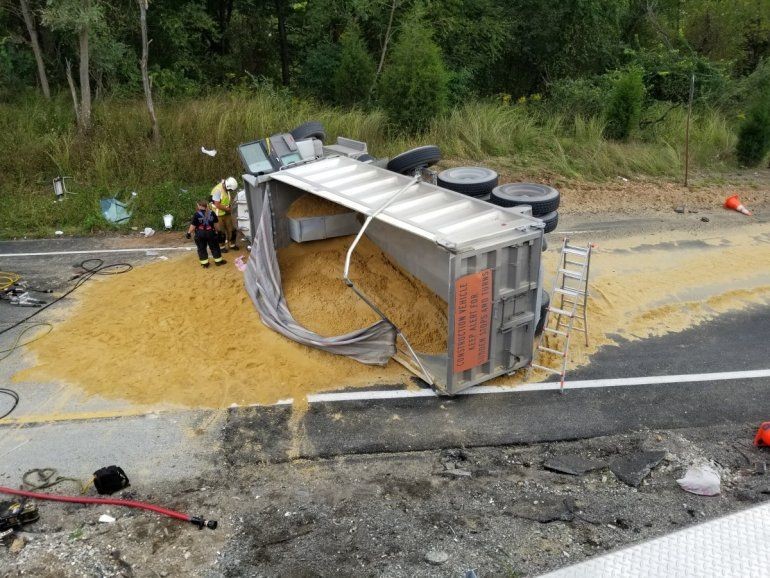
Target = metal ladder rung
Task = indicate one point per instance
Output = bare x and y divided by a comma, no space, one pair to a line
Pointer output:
548,369
575,251
574,327
571,274
570,262
560,311
549,350
556,331
570,292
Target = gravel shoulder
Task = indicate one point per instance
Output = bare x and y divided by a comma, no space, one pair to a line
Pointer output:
497,511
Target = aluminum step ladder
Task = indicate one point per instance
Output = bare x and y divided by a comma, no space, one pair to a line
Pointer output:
569,301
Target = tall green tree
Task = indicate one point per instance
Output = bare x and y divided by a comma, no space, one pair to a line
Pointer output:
552,39
79,18
31,24
624,106
355,72
413,88
754,133
143,64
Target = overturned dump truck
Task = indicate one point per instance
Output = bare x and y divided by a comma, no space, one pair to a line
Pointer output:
483,260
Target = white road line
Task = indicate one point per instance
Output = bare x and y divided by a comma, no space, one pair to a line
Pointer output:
95,251
550,386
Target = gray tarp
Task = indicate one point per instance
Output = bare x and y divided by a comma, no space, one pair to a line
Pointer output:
374,345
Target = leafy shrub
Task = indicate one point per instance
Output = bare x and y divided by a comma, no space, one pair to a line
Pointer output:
580,96
624,107
754,133
414,85
355,74
668,74
317,73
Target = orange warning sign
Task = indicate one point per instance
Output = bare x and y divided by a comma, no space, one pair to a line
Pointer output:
473,314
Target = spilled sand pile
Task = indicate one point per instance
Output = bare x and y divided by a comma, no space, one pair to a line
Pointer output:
309,205
319,299
170,332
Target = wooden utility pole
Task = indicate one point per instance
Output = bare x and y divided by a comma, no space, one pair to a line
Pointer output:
32,30
687,132
143,5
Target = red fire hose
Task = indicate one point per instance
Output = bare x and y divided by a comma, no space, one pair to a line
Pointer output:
196,521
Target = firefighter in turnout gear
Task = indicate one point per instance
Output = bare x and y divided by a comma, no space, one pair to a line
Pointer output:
203,224
221,205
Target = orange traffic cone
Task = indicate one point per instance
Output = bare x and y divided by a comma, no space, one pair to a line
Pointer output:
763,435
735,204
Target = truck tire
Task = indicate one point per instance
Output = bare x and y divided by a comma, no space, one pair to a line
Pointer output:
542,198
472,181
311,129
551,220
414,159
545,302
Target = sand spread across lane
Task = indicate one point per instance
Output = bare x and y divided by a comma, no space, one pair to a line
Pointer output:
651,285
170,333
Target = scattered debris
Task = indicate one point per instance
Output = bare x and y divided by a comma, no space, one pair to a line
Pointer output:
58,233
105,519
632,470
704,219
573,465
210,152
240,263
114,210
110,479
148,232
17,545
168,220
15,514
436,557
455,473
702,480
547,510
679,210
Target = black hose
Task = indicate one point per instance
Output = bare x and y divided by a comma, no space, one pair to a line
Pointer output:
99,269
14,396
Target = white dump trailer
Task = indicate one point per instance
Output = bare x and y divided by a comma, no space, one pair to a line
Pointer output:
483,260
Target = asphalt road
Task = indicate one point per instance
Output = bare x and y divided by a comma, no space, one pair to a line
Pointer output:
732,343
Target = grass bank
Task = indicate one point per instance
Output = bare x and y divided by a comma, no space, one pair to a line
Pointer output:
39,141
